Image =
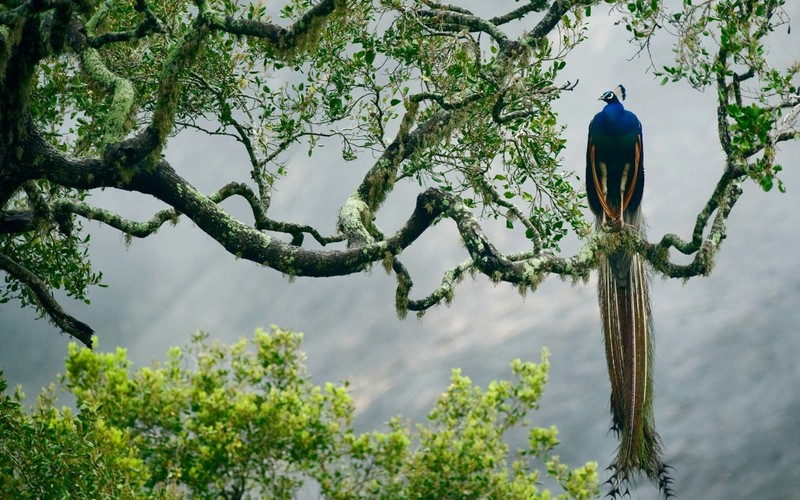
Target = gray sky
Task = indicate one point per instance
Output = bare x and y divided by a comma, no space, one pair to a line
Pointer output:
727,346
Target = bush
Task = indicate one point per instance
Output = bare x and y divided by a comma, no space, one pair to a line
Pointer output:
244,420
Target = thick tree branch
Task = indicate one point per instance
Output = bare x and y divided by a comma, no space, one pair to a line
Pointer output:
280,37
355,217
239,239
254,245
458,20
528,269
17,221
557,10
519,12
41,290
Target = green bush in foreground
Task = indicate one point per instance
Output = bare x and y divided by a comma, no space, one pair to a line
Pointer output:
231,421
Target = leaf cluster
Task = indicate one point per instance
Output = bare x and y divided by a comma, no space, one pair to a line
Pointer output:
724,44
55,248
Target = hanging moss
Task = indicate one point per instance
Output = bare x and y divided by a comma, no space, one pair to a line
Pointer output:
304,35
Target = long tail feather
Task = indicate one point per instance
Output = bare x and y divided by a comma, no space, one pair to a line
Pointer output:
625,309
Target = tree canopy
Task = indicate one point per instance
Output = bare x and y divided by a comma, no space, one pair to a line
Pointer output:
92,92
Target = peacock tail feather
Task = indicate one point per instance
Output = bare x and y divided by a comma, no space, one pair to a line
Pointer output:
628,332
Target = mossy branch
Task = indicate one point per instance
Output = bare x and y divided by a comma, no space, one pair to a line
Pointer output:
121,89
65,206
519,12
48,303
528,269
252,244
181,56
286,41
412,137
149,25
458,20
550,20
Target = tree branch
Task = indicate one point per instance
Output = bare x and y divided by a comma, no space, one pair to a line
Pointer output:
519,12
548,22
237,238
280,37
121,89
57,315
457,20
529,269
17,221
149,25
64,206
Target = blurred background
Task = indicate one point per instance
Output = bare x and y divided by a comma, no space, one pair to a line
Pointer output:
727,403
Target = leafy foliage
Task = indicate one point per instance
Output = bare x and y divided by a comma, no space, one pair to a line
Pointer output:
57,250
724,44
240,420
56,454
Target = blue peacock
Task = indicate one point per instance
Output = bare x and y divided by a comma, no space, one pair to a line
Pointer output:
614,186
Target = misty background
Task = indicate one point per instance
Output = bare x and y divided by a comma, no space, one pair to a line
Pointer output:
727,404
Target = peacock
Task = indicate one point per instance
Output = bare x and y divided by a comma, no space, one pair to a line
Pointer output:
614,187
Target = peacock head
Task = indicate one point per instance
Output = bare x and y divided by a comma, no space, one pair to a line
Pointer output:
616,95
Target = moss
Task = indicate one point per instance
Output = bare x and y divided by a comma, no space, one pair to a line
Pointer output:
97,18
388,261
10,37
122,103
586,254
659,257
181,55
532,275
304,35
353,219
401,296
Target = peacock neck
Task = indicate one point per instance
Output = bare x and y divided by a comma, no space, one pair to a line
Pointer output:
614,107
